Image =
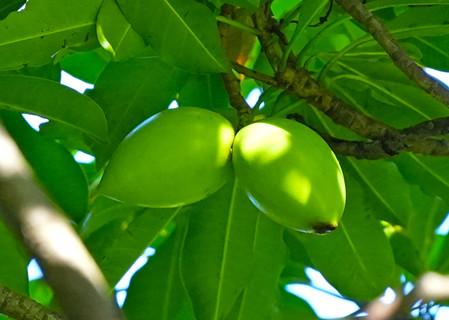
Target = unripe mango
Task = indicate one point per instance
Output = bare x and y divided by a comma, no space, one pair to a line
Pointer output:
176,157
291,174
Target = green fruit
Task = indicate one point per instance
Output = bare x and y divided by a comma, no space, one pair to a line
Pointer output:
291,174
176,157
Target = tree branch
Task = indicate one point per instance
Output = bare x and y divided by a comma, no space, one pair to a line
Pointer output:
255,75
397,54
231,82
232,85
384,147
17,306
430,286
300,83
76,280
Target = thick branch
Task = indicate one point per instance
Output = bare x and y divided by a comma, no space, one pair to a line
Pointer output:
384,147
17,306
430,286
69,269
398,55
231,82
232,85
301,84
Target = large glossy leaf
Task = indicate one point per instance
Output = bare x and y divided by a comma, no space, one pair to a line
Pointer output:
430,173
156,290
357,258
406,254
293,308
333,35
213,95
230,246
247,4
428,214
116,34
13,269
375,90
381,182
184,32
432,50
260,298
54,101
52,164
308,13
130,92
85,65
121,233
34,35
404,26
8,6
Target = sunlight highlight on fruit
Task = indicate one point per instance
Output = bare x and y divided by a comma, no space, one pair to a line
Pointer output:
178,156
298,186
290,174
266,143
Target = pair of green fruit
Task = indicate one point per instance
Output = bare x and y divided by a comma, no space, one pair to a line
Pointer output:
181,156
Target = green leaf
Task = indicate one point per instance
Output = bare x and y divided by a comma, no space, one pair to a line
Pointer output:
116,34
293,308
433,51
406,254
260,298
381,180
34,35
8,6
339,32
230,246
213,95
184,32
85,65
309,11
40,291
122,234
54,101
130,92
406,24
247,4
429,173
357,258
52,164
13,269
375,90
439,260
297,251
156,290
428,214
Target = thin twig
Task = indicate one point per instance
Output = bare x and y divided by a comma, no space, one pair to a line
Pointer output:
237,24
18,306
255,74
392,47
79,286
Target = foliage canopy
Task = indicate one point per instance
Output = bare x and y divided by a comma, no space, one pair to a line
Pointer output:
352,71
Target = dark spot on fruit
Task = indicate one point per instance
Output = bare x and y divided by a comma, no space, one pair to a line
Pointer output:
324,227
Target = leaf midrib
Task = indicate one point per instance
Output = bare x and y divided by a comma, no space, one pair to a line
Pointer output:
43,34
190,31
433,173
171,274
357,256
231,212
